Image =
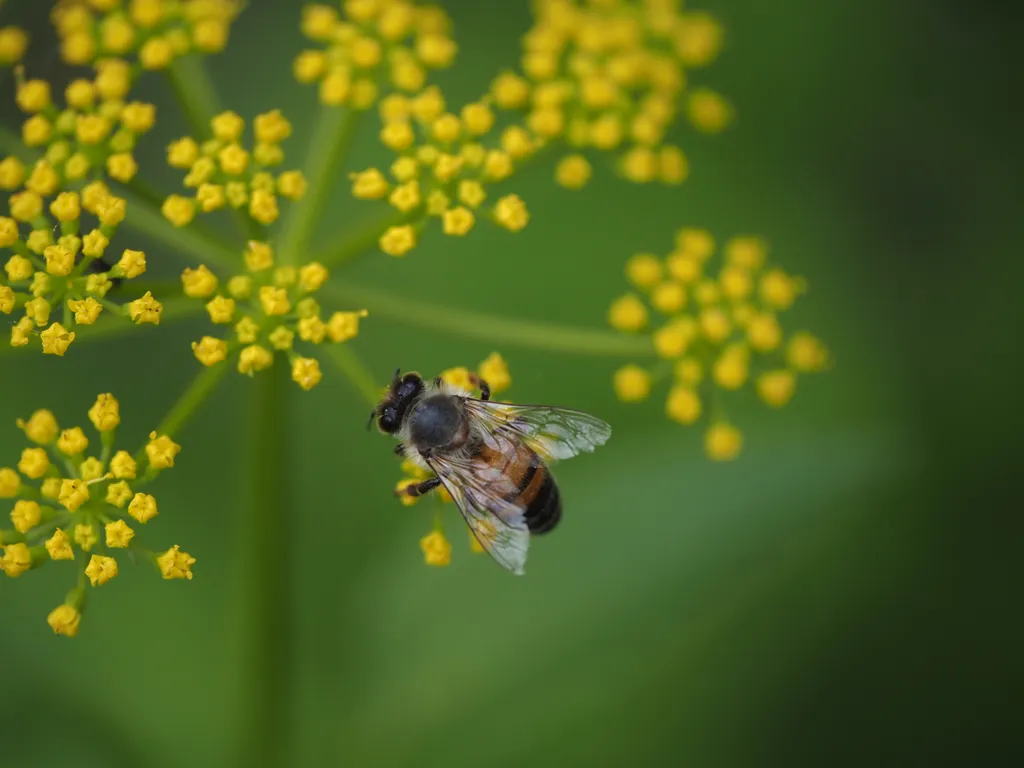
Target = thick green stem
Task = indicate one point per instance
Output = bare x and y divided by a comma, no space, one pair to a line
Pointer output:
192,398
267,578
354,369
332,136
352,245
195,93
494,329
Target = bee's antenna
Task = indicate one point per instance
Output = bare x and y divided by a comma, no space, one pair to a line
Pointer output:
373,415
397,371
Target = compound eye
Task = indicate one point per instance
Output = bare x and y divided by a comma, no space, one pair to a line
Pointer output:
388,421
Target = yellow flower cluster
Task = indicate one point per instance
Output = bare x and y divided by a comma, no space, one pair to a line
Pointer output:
716,330
67,498
13,42
153,32
442,170
46,272
402,35
271,308
92,135
223,173
610,75
436,549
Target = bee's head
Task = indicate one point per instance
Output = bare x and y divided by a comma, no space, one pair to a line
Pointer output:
400,395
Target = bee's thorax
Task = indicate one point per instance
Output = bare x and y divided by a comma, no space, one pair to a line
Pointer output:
437,422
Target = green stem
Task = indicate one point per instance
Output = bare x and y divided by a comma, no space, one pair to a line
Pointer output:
195,93
109,327
267,570
332,136
351,246
355,370
495,329
192,398
10,143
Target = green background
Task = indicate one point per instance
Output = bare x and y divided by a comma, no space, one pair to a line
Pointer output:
845,593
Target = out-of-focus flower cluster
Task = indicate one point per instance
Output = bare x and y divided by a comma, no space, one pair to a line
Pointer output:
436,548
372,45
443,169
271,310
223,173
716,329
72,503
611,76
152,33
52,264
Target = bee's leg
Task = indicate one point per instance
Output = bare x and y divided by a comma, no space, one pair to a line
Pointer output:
418,489
485,389
400,449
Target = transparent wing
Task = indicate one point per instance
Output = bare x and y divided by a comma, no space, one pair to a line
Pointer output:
555,433
478,488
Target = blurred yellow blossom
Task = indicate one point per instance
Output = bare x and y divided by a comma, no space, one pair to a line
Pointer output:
720,316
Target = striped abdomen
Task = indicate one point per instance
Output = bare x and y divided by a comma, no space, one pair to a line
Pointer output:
525,480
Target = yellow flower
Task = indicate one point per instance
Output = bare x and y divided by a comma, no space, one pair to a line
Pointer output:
25,205
25,515
510,91
72,441
397,241
683,405
41,427
436,549
312,276
254,358
247,330
369,184
510,212
100,570
13,42
10,483
282,338
123,466
85,537
7,299
16,560
198,283
306,372
86,310
145,309
274,301
292,185
50,487
668,297
494,370
64,620
731,369
210,197
763,332
221,309
263,207
210,351
632,383
178,210
776,388
36,131
343,326
457,221
778,290
182,153
105,413
708,111
73,494
175,564
573,172
91,469
138,117
723,442
118,494
34,463
628,313
59,546
458,377
233,160
156,53
161,451
142,507
805,353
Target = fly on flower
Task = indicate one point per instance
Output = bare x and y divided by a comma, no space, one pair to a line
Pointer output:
491,457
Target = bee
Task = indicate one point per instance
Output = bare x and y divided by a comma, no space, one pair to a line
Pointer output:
491,457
